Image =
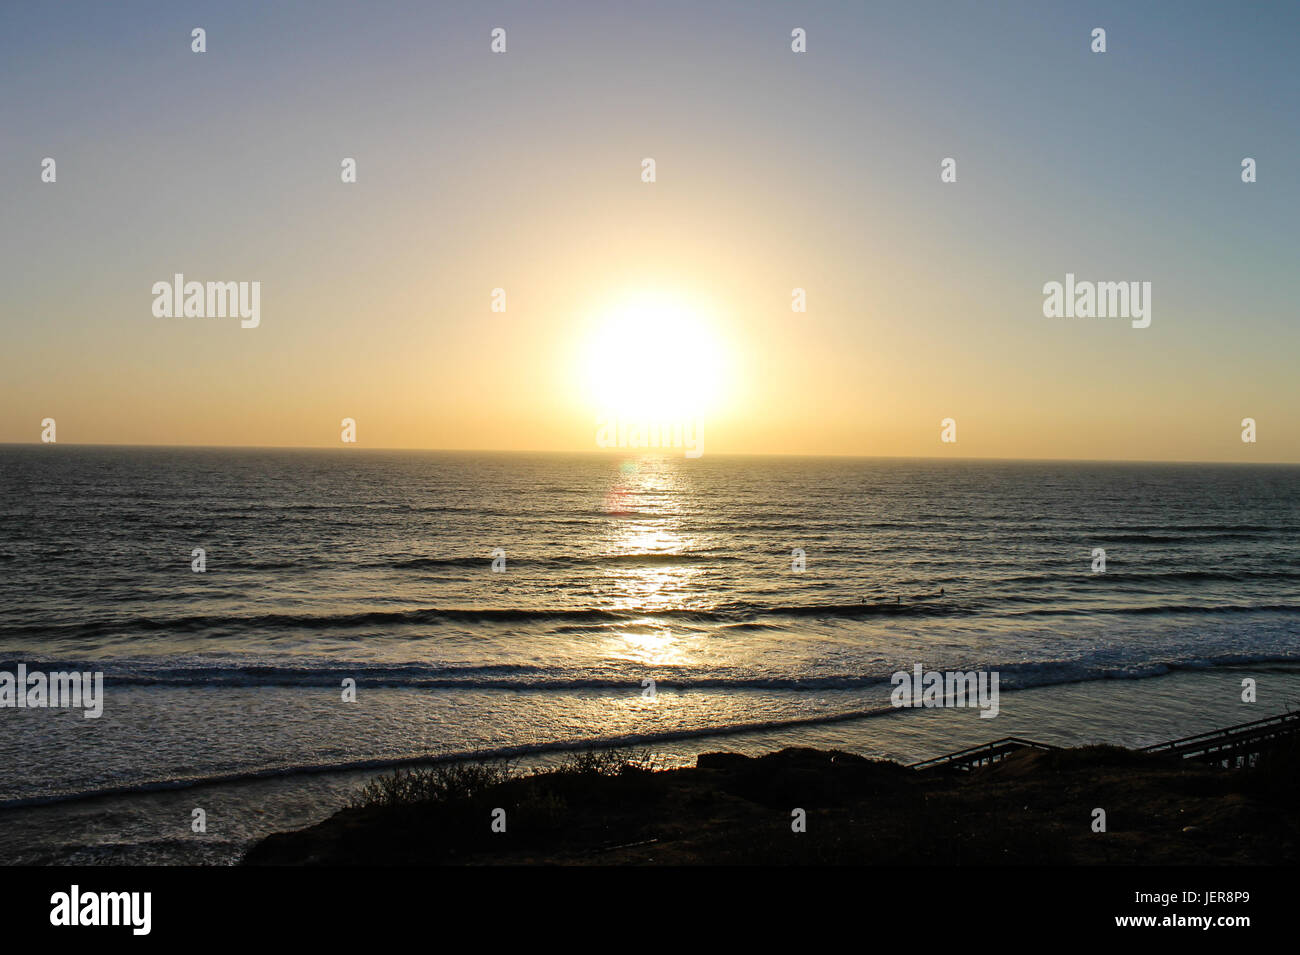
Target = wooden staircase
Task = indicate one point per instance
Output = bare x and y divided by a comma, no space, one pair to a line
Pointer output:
1231,747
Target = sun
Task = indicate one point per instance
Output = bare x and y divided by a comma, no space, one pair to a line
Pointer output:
656,358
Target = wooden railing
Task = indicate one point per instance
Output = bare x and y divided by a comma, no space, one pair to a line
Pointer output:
1230,747
967,759
1233,746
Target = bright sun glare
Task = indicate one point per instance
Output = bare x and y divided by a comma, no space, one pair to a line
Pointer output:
655,359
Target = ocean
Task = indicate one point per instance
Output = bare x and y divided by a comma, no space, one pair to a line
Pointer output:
493,603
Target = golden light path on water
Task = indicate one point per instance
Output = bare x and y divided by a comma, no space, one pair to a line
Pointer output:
650,586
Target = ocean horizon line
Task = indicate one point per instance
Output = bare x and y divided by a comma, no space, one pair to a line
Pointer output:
645,452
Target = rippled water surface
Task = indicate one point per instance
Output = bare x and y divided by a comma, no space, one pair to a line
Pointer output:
378,567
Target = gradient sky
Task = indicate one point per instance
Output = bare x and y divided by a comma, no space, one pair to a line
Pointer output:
775,170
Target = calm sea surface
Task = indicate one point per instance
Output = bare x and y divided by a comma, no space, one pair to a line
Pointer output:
378,567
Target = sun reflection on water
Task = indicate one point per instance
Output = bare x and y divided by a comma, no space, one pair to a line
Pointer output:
653,648
653,572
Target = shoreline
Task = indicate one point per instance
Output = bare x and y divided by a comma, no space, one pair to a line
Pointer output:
153,827
852,726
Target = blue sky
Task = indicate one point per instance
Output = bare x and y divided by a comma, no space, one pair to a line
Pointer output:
776,170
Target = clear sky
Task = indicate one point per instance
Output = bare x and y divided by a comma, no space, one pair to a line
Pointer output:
775,171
